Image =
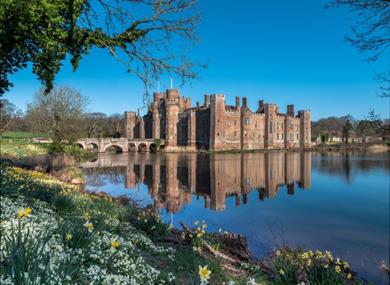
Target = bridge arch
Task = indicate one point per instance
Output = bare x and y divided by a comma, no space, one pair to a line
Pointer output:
113,148
153,147
132,147
93,146
142,147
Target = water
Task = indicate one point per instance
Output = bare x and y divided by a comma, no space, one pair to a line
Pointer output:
327,201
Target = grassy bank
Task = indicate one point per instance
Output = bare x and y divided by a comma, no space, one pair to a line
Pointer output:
16,145
54,233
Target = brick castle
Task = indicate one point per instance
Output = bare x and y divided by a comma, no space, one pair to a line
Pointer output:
217,126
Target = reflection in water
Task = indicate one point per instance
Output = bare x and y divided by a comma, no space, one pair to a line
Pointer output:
346,210
172,179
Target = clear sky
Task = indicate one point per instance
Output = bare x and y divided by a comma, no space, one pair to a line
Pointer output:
282,51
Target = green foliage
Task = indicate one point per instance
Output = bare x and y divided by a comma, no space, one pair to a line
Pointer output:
44,32
28,262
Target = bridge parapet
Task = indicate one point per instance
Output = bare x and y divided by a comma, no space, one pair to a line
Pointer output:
120,144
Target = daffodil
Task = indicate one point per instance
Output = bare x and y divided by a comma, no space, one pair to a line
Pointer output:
281,272
337,269
349,275
115,244
24,213
204,273
69,236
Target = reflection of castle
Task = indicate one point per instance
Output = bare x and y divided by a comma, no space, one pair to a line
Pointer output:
173,178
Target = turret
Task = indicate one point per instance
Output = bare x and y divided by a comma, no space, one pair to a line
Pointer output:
305,128
217,121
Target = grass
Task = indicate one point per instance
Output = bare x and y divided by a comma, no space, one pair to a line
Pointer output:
23,147
21,135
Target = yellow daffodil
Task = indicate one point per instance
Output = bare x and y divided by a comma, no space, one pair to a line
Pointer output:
281,272
69,236
204,273
115,244
346,265
349,276
277,253
337,269
24,213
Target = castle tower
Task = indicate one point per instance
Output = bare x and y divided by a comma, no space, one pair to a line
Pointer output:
270,111
191,136
305,129
155,121
245,122
172,117
217,120
129,125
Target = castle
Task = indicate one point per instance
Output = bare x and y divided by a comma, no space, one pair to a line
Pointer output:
217,126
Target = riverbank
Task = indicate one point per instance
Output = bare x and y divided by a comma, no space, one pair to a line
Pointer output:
92,237
362,147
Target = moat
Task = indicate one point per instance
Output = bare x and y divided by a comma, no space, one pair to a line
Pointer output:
329,201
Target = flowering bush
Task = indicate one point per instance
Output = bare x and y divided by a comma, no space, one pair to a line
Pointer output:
308,267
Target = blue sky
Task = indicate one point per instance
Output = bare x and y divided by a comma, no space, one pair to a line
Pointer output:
282,51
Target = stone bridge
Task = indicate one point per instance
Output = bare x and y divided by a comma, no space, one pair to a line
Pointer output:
102,145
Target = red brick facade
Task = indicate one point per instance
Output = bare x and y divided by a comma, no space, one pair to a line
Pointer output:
217,126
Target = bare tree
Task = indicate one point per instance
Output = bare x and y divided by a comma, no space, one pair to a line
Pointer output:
7,113
58,113
371,31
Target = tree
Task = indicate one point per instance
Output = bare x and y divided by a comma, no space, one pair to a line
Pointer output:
331,126
347,128
138,33
370,33
57,113
371,126
7,113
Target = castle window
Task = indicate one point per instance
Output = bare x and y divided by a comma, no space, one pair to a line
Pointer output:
235,133
277,135
282,136
246,181
270,127
297,137
291,137
247,121
217,134
235,122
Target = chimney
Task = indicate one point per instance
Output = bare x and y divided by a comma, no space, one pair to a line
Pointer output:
197,104
290,110
237,102
244,101
261,105
206,100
